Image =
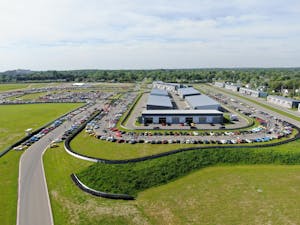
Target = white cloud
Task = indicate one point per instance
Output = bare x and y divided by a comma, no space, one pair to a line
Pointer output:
67,34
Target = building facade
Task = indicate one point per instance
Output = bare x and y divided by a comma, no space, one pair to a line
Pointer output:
253,93
232,87
181,116
283,101
220,84
170,87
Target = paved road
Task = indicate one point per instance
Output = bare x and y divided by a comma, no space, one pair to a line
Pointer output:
33,200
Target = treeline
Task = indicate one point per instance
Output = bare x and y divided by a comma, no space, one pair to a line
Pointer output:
275,79
132,178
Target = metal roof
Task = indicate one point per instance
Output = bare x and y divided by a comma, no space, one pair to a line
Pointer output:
188,91
200,100
284,98
158,100
181,112
157,91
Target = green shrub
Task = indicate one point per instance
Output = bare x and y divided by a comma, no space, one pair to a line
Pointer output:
132,178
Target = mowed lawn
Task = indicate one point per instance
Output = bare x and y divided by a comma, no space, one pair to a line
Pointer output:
9,87
14,119
241,194
91,146
33,96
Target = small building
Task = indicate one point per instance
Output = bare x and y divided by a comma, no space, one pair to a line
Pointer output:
159,92
253,93
181,116
283,101
220,84
170,87
156,102
189,91
202,102
232,87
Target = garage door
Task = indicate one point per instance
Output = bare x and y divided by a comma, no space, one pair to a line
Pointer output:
175,120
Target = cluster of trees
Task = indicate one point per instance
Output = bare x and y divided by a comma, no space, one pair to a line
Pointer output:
274,79
132,178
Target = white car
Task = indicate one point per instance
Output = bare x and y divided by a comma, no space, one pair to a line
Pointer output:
223,141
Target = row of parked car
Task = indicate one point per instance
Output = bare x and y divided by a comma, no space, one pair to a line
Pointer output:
51,127
186,141
39,135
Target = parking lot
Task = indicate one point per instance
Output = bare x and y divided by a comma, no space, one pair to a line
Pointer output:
141,106
268,128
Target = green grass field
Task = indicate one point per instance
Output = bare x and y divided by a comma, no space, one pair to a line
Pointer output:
256,194
14,119
132,178
9,87
33,96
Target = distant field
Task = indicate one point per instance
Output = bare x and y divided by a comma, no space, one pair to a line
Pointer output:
255,194
14,119
8,87
32,96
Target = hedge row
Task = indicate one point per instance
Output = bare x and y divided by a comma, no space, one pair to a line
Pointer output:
132,178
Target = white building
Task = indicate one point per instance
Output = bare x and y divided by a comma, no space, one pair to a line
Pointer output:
202,102
170,87
232,87
253,93
283,101
181,116
220,84
189,91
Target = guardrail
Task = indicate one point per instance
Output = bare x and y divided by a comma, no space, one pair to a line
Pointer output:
99,193
6,150
69,139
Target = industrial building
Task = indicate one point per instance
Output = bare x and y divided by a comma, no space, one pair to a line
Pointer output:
253,93
202,102
220,84
189,91
170,87
283,101
159,92
232,87
181,116
156,102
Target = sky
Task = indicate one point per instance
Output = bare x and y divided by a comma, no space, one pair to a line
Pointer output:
141,34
